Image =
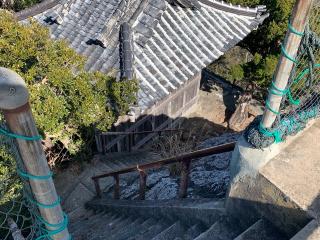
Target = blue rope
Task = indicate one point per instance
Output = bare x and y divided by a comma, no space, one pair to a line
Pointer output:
281,92
45,206
60,228
268,106
295,31
13,135
286,54
33,177
276,134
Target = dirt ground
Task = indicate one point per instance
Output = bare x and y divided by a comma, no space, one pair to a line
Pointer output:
210,116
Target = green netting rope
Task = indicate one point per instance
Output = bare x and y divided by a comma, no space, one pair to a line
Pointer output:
292,121
57,228
295,31
13,135
276,134
33,177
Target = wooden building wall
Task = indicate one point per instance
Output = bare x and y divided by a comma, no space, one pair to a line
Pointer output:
165,114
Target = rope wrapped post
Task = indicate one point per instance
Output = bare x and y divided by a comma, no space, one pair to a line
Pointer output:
14,103
293,39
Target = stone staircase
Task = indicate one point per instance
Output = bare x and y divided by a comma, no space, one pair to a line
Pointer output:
201,219
76,188
278,202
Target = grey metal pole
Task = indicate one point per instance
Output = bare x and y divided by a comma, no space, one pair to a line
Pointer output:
298,20
14,102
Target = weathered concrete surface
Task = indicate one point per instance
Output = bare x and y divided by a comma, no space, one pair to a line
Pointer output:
281,187
296,171
309,232
243,194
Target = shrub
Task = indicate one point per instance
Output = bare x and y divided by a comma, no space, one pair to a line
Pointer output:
17,5
264,42
67,101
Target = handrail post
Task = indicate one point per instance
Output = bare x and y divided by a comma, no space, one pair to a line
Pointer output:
184,179
116,193
143,184
133,139
104,145
14,102
97,187
130,142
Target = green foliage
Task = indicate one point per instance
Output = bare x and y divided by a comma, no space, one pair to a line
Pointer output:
264,43
236,73
17,5
9,184
66,100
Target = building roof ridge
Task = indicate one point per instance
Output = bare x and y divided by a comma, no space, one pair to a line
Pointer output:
37,9
235,9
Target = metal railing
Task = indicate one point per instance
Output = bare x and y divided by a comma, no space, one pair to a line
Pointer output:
185,159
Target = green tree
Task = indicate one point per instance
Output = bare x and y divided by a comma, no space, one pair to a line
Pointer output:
264,43
17,5
67,101
236,73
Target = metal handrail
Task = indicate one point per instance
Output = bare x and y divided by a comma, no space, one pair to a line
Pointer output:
185,159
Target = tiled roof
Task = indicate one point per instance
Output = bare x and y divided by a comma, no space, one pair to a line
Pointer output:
171,43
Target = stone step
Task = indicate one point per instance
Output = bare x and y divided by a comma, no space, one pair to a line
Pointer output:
261,230
132,229
152,231
224,229
194,231
310,232
171,232
75,225
192,211
85,228
104,230
119,163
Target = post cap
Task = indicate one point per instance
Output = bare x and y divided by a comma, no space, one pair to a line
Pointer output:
13,90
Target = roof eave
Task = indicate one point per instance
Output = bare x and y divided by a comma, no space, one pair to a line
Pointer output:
36,9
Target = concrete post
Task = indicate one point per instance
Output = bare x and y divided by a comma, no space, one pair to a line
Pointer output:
298,20
14,100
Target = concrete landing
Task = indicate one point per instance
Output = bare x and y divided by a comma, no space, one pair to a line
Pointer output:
296,171
283,188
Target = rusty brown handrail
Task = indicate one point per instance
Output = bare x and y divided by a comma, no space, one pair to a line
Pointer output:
185,159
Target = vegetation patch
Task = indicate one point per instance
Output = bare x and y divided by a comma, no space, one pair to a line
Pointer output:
263,44
67,101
